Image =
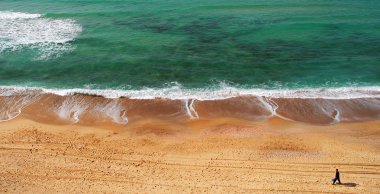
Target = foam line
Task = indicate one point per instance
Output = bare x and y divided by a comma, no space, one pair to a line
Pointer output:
272,106
16,106
193,109
10,117
124,117
180,93
190,110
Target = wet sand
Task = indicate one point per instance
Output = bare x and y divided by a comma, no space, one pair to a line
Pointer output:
201,156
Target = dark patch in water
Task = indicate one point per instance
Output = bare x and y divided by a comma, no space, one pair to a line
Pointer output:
205,30
146,23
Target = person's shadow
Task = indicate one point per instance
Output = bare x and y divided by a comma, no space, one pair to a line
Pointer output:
348,184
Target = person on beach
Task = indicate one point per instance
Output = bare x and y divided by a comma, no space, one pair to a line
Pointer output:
337,177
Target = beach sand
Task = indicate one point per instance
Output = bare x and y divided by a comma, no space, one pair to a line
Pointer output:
203,156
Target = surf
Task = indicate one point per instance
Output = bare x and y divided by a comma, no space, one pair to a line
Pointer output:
50,37
85,106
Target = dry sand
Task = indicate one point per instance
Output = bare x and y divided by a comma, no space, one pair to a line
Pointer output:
204,156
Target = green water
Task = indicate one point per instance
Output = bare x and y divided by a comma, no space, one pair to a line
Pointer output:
198,44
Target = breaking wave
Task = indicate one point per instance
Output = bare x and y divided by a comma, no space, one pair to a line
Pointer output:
222,91
50,37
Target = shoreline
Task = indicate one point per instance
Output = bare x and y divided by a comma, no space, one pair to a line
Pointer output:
210,155
94,109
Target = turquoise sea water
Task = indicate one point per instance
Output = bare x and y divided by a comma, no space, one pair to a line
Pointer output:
125,44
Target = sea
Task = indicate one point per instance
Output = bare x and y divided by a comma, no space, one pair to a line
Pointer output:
122,60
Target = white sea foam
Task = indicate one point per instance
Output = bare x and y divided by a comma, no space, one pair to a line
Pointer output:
14,105
71,109
17,15
190,110
271,106
50,37
336,116
113,110
180,93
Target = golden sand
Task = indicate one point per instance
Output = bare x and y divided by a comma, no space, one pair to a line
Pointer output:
204,156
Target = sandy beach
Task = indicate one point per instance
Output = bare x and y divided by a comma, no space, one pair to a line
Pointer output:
208,96
222,155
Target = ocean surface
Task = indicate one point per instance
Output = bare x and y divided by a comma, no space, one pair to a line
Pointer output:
204,50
